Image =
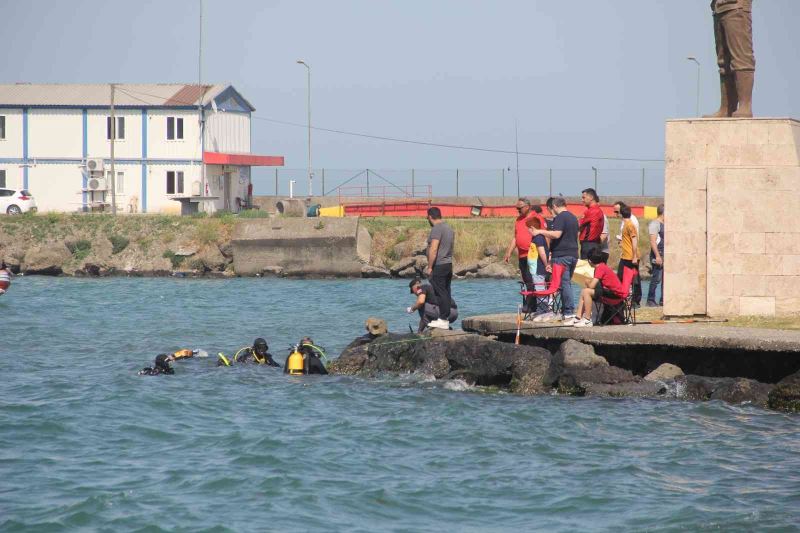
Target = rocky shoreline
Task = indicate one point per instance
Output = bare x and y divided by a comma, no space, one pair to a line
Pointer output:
574,369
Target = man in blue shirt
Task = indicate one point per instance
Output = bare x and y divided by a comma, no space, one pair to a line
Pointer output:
564,251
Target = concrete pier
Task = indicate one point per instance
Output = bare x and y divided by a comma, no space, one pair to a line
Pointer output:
709,350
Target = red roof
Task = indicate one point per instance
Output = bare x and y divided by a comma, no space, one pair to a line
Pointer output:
246,160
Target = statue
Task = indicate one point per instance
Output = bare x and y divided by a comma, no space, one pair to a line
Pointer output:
733,33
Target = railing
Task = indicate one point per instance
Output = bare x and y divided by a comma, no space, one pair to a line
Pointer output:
506,182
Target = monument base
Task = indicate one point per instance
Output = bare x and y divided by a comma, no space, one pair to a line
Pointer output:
732,244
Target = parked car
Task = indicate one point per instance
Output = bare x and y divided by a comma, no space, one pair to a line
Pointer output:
16,201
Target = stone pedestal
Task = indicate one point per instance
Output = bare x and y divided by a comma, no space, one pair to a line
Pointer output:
732,236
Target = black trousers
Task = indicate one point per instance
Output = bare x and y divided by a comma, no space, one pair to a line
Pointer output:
527,279
587,247
637,280
441,277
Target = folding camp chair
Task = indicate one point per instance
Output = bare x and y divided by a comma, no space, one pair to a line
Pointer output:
549,298
617,311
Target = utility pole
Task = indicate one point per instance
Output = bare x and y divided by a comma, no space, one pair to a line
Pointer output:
113,142
516,151
310,167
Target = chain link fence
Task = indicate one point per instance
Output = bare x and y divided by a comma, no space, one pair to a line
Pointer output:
468,182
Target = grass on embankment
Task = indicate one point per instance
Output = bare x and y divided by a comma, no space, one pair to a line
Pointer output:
473,236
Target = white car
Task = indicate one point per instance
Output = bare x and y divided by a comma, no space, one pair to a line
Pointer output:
16,201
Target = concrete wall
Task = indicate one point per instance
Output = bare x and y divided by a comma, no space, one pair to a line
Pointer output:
735,248
300,246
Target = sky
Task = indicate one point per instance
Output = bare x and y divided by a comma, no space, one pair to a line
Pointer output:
585,77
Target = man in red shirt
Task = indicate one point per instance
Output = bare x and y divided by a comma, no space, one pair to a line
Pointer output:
604,284
591,225
522,242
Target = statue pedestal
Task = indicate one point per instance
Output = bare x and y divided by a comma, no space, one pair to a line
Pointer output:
732,232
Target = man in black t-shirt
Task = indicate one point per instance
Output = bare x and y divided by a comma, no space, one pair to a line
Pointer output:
563,250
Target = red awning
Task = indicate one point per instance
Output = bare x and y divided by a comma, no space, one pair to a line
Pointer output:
245,160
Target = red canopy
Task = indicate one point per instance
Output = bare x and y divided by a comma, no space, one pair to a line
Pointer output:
246,160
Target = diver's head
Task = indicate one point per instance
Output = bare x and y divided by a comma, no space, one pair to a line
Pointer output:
260,346
306,340
162,361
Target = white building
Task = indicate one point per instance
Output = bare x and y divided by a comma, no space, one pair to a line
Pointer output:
55,141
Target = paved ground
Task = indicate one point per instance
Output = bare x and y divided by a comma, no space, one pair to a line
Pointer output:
696,335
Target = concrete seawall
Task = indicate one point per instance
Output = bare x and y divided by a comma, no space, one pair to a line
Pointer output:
301,247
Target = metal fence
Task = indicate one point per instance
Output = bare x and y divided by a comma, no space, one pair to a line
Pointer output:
469,182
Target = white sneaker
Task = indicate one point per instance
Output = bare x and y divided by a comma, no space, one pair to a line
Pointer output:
583,323
571,320
439,323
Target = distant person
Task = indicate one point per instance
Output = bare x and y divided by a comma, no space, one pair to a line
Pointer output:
427,305
656,230
440,264
522,242
539,264
604,284
604,240
563,250
635,221
5,277
551,214
161,365
629,251
305,359
537,209
592,223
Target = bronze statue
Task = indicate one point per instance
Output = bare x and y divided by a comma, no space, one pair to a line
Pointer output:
733,33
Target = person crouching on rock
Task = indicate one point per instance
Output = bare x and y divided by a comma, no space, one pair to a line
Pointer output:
304,359
427,305
604,284
161,365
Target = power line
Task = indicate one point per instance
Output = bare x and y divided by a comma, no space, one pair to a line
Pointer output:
415,142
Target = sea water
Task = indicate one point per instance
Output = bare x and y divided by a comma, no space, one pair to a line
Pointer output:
86,444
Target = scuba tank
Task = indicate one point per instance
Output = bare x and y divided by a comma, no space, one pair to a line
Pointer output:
295,364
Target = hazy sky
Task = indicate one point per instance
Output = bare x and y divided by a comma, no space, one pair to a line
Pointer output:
583,77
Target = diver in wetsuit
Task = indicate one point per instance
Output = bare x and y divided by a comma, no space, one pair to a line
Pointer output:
161,365
258,354
305,359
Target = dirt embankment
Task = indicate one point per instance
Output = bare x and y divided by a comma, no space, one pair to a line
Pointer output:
155,245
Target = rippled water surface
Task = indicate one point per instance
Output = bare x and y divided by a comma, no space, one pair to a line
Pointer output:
86,444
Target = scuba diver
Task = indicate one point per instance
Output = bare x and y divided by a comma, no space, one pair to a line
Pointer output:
427,304
304,359
5,278
161,365
257,354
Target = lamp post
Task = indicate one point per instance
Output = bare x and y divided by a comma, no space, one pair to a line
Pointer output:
692,58
595,178
310,175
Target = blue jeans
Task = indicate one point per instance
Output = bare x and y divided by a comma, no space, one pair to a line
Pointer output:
656,277
567,297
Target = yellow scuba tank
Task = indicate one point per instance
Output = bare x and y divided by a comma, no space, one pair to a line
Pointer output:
295,364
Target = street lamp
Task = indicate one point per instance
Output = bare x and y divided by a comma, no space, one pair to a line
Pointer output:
310,175
692,58
595,178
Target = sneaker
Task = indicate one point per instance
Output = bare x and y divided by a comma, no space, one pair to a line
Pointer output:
583,323
571,320
651,303
439,323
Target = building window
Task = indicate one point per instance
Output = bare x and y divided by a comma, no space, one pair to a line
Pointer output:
120,128
174,128
120,183
3,179
2,127
174,182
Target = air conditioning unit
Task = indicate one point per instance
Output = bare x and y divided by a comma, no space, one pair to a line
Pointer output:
94,165
96,184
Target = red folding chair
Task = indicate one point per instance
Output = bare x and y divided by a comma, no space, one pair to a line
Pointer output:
547,299
618,311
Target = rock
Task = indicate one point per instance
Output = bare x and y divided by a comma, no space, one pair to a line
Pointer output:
370,271
698,388
186,250
94,270
409,272
495,270
421,263
527,376
402,264
575,367
272,270
491,250
226,249
464,270
631,389
470,275
376,326
743,390
664,372
785,396
211,259
353,359
46,260
486,261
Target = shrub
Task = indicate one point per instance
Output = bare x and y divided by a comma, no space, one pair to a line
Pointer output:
118,243
207,232
254,213
176,260
80,249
